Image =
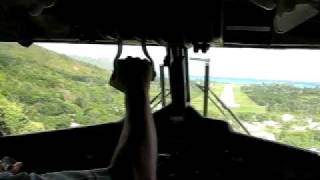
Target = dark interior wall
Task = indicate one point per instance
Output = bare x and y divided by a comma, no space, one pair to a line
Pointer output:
80,148
87,21
198,148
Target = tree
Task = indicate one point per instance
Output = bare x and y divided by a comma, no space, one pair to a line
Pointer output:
12,115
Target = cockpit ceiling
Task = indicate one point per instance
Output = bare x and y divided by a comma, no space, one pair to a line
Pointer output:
218,23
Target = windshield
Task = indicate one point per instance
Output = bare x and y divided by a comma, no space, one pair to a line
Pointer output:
274,94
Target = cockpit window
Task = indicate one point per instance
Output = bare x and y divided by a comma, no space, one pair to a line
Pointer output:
42,90
272,94
275,94
52,86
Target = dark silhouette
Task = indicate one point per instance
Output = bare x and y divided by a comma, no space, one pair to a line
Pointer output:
135,155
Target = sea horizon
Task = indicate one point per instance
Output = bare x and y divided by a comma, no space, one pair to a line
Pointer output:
249,81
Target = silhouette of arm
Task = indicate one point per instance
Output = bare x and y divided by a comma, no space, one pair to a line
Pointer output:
137,147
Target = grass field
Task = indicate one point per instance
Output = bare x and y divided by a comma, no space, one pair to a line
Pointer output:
246,104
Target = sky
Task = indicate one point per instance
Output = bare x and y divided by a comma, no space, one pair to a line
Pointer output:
267,64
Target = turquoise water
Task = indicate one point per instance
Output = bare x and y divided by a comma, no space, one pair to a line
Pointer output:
258,81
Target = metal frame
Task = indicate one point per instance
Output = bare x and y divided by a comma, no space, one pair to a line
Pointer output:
177,61
206,90
234,117
206,83
162,86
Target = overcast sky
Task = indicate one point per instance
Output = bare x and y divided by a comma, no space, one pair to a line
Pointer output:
295,65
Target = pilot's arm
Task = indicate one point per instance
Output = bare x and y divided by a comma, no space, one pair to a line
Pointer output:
137,147
135,155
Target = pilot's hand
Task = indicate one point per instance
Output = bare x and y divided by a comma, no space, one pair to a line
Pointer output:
10,165
132,73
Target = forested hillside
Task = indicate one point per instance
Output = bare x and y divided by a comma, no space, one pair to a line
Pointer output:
42,90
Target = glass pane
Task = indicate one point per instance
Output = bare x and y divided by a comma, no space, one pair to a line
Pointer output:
275,93
51,86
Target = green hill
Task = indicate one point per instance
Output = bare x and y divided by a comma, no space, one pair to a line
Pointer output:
43,90
100,62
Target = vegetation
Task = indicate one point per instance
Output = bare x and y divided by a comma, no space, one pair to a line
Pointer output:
41,90
302,104
284,98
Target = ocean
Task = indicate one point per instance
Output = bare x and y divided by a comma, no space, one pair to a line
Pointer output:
242,81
